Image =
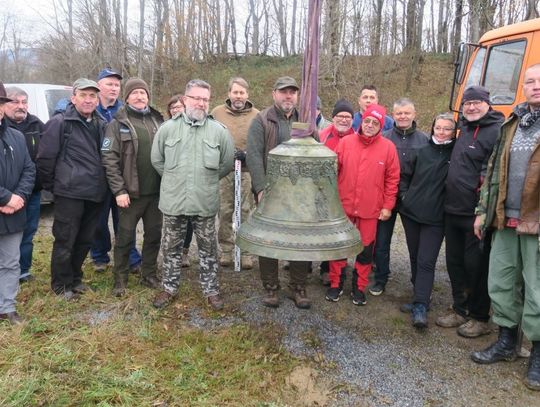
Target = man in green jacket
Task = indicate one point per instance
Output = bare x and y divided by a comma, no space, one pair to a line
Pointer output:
191,152
510,203
134,182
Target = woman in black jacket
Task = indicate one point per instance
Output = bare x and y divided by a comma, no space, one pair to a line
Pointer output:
422,212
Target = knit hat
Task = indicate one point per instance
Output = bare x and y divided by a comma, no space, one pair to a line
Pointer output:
3,95
342,105
135,83
476,93
376,111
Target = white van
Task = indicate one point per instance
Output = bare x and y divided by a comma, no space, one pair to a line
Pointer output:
43,98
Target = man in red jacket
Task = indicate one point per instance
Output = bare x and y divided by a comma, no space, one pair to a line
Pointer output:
368,178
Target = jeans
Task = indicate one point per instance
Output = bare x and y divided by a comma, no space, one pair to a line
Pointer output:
9,270
101,246
32,221
385,230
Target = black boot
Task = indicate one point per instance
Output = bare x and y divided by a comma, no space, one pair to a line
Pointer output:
503,349
533,374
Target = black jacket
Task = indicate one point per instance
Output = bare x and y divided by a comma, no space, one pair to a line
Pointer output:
407,143
469,162
17,173
423,193
69,156
31,127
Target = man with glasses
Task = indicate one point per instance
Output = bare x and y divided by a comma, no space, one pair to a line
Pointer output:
191,152
466,256
408,140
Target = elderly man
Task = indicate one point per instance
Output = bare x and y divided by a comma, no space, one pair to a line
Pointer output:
270,128
408,140
369,96
17,174
134,182
466,259
191,152
237,114
69,165
509,203
109,84
17,116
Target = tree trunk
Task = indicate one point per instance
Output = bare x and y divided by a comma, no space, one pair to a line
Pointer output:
141,39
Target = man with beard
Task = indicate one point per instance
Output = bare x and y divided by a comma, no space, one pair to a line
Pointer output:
17,116
236,113
268,129
191,152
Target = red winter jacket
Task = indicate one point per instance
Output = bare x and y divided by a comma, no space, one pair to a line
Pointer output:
330,136
368,175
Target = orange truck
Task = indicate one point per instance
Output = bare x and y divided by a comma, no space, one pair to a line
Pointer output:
498,62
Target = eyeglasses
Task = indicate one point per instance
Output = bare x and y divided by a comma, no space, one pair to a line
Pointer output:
472,103
446,129
198,99
342,117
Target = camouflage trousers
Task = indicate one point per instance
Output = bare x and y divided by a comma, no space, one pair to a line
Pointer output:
174,233
226,208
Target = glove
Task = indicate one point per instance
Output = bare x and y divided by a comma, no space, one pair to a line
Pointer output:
240,155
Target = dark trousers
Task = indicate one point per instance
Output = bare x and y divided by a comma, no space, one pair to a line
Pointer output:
385,230
145,208
424,243
74,226
298,272
33,208
101,246
468,266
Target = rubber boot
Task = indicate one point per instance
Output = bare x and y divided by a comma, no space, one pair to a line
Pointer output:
503,349
533,373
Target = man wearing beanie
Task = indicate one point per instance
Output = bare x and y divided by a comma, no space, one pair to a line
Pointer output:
466,256
368,178
108,81
134,182
69,165
408,140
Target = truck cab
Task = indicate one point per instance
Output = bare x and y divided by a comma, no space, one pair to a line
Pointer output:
497,62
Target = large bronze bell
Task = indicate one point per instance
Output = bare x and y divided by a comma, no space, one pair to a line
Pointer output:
300,216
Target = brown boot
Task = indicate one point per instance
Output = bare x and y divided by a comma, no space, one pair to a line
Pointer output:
163,299
300,298
271,299
215,302
119,289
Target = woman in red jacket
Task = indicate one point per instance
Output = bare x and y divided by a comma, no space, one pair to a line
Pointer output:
368,178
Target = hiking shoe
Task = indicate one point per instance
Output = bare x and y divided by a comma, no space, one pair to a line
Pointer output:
215,302
300,298
151,281
377,289
69,295
163,299
100,267
80,288
12,317
532,381
26,279
186,262
226,259
246,262
419,316
119,289
333,294
451,320
358,296
407,308
473,329
504,349
271,298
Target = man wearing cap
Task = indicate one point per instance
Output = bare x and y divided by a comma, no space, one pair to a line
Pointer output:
17,174
269,128
236,114
509,203
408,140
320,121
108,81
134,182
369,96
17,116
368,178
69,165
191,152
466,258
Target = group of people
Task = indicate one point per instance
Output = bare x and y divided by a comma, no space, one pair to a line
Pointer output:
474,184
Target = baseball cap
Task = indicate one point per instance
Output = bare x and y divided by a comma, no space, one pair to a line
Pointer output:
85,83
285,82
105,73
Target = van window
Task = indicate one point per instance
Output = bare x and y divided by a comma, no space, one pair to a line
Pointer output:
475,72
502,71
53,96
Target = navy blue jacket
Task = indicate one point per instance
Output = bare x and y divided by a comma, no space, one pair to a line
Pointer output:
69,156
17,173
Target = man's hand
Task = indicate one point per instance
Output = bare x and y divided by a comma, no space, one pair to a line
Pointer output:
240,155
123,201
16,202
6,210
385,214
478,222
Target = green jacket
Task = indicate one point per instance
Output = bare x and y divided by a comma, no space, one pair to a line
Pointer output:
191,157
494,189
119,151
